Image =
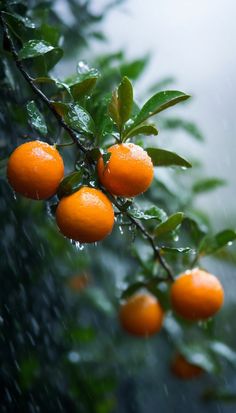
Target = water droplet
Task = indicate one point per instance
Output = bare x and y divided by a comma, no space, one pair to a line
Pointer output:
121,230
77,244
73,356
14,195
82,67
230,243
176,238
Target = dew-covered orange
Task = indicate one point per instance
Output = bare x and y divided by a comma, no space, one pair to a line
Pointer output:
183,369
85,216
196,295
141,315
129,171
35,170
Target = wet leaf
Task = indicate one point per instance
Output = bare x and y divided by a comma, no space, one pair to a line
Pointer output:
197,354
178,250
207,184
162,157
221,349
147,130
78,118
37,48
211,244
113,109
159,102
36,118
125,100
70,184
170,224
151,213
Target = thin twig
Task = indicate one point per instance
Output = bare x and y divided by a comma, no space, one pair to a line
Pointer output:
30,80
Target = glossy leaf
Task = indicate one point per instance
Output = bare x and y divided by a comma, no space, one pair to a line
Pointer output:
178,250
36,118
37,48
170,224
221,349
125,100
158,103
200,356
70,184
151,213
113,109
211,244
147,130
78,118
162,157
208,184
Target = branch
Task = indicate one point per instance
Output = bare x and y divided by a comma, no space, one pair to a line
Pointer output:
70,131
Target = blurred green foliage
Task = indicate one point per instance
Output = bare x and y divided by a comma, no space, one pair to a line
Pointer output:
61,345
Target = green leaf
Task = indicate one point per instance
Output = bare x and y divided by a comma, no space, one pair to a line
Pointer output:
170,224
147,130
162,157
125,100
106,156
70,184
49,34
83,82
189,127
60,107
178,250
219,394
134,69
132,289
113,109
198,355
158,103
36,118
208,184
94,153
37,48
78,118
221,349
151,213
211,244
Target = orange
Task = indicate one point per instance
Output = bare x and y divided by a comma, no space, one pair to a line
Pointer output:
78,282
196,295
141,315
85,216
129,171
183,369
35,170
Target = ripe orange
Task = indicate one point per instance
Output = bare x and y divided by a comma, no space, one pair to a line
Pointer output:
85,216
129,171
141,315
35,170
196,295
183,369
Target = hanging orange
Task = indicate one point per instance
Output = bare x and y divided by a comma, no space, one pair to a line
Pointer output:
129,171
85,216
35,170
196,295
141,315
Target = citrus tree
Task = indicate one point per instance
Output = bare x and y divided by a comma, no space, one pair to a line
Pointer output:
80,164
